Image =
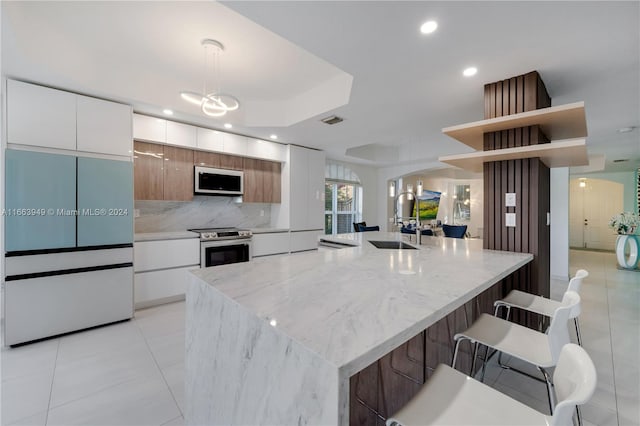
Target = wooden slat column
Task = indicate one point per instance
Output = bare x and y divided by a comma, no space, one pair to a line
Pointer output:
528,178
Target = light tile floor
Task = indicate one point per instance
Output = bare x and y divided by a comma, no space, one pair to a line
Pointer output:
132,373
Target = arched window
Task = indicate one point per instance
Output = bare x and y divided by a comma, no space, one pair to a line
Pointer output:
343,199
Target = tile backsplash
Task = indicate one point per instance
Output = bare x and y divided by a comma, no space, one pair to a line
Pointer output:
203,211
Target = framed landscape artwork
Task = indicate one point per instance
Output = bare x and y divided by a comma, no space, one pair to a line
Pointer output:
429,203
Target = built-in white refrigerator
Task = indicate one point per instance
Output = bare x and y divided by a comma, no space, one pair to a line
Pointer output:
68,243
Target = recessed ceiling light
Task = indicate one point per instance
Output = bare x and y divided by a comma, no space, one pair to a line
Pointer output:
274,136
470,71
228,125
167,111
428,27
625,129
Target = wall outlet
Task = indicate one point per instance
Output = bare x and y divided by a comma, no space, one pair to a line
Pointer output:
136,212
510,220
261,213
510,199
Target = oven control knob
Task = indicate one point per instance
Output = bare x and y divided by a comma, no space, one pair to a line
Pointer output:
206,235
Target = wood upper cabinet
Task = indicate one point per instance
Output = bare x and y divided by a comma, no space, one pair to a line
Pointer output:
162,172
148,166
261,181
178,174
219,161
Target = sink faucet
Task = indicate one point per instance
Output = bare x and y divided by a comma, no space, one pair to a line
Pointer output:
395,213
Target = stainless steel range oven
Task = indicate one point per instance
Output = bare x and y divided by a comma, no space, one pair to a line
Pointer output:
220,246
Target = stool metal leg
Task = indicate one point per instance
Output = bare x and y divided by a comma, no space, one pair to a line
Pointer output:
455,353
577,324
579,415
547,379
475,355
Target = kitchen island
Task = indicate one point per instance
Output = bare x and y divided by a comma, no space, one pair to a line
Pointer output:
279,340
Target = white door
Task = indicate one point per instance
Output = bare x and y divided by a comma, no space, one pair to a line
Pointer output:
591,207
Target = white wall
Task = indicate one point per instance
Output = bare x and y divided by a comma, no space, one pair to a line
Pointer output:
559,232
628,179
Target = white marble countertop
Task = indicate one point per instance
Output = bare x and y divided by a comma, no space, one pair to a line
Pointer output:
268,230
156,236
352,306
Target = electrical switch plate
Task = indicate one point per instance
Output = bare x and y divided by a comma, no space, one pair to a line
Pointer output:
510,220
510,199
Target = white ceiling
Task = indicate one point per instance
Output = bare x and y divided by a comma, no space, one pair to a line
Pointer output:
292,63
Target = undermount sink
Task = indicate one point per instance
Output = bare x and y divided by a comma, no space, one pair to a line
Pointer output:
392,245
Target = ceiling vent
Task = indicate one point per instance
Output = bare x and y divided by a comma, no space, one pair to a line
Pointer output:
621,160
332,119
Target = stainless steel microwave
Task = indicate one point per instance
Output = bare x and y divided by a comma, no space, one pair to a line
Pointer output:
218,181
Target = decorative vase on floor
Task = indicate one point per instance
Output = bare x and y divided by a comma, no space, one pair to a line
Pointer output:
630,262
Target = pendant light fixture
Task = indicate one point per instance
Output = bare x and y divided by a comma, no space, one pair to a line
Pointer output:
212,101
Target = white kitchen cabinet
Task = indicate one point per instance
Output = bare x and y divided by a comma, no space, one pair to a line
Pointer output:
150,129
265,244
157,287
161,269
316,171
162,254
265,150
305,240
234,144
181,134
306,188
209,140
104,127
40,116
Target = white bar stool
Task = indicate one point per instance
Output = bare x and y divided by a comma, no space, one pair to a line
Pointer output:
534,347
541,305
452,398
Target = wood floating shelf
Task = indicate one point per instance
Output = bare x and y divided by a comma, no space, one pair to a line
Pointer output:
557,123
564,153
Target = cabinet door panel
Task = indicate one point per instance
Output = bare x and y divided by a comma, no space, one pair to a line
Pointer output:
299,188
276,182
305,240
36,180
42,307
210,159
148,164
235,144
209,139
315,193
151,255
105,202
267,244
181,134
40,116
231,162
178,174
265,150
253,181
104,127
149,128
